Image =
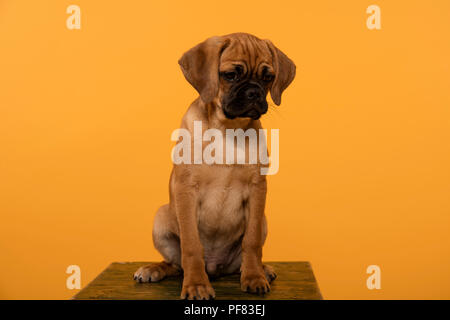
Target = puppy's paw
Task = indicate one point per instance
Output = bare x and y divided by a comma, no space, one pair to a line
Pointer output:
270,273
203,291
153,272
254,282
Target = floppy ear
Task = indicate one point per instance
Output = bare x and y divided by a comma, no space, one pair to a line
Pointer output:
284,72
200,66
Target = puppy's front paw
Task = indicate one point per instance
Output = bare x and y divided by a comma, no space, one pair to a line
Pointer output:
149,273
198,291
254,282
270,273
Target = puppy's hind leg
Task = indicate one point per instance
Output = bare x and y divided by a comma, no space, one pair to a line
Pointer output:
155,272
167,242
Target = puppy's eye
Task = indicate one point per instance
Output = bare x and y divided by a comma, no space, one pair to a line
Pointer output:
230,76
268,77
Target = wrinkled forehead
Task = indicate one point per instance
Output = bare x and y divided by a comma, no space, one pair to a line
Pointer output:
252,54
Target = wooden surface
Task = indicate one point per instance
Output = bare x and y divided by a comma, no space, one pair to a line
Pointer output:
295,281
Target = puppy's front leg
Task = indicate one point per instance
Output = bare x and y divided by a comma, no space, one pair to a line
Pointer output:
253,278
196,284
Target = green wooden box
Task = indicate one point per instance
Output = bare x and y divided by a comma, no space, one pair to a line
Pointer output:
295,281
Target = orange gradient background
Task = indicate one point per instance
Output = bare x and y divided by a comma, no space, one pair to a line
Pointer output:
86,117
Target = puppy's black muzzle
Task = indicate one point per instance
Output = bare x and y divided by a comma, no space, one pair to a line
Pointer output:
247,100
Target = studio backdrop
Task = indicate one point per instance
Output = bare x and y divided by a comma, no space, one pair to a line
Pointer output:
91,91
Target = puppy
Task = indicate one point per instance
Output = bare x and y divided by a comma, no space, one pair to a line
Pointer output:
214,223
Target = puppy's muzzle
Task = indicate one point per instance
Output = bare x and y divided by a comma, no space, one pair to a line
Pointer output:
246,101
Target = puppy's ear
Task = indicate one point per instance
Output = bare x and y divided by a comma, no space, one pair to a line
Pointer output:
200,66
284,72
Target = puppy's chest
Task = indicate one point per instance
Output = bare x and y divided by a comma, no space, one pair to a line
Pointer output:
223,201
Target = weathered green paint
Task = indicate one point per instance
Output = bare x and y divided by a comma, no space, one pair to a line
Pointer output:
295,281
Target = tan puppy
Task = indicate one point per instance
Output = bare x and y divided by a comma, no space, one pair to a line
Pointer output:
214,223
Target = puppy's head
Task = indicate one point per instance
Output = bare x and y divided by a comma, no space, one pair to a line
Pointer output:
236,72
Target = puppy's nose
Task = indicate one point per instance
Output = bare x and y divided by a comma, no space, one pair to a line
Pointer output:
252,94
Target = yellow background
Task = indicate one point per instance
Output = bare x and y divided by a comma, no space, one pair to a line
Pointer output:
86,117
